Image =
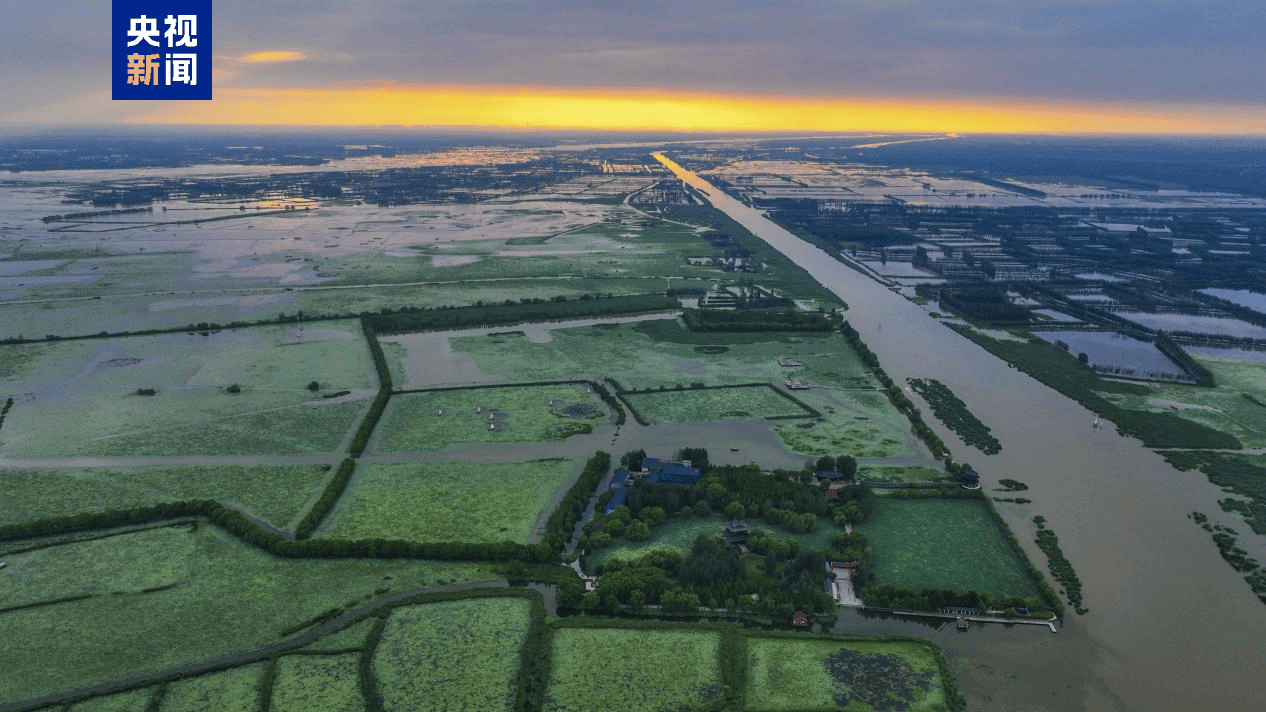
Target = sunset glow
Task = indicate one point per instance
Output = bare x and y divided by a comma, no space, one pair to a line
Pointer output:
535,107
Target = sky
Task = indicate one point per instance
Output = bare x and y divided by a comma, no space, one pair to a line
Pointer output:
1151,66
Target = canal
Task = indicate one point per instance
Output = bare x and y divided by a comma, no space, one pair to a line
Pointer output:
1170,625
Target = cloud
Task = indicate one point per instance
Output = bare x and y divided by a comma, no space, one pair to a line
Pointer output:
273,56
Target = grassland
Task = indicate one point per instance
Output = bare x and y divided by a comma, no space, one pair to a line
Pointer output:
662,353
451,501
632,670
278,494
710,404
437,419
81,397
233,598
458,655
943,543
1237,405
312,683
101,567
233,690
831,675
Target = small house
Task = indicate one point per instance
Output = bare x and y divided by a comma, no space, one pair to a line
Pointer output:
736,531
678,472
800,619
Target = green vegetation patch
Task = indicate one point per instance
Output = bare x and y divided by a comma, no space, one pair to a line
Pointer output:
124,563
234,598
449,501
679,533
830,675
83,396
130,701
1237,406
633,670
277,494
952,411
458,655
706,404
312,683
1242,475
943,543
233,690
435,420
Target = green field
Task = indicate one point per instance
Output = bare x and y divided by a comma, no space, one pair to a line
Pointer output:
318,683
278,494
632,670
458,655
450,501
80,397
437,419
1236,406
233,690
943,543
662,353
710,404
100,567
832,675
231,598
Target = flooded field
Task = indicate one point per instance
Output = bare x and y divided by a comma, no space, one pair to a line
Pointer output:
1195,323
1117,354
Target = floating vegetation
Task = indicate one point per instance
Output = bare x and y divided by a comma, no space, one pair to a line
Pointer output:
952,411
1060,567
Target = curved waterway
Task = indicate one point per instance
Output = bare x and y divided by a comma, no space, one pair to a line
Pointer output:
1171,626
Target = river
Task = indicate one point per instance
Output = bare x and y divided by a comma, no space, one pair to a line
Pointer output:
1171,626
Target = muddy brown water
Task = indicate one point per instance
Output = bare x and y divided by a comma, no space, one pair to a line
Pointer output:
1171,626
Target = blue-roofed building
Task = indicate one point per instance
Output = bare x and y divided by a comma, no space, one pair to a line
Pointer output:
971,478
617,499
677,472
832,475
620,478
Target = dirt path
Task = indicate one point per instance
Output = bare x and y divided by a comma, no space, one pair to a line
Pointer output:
239,658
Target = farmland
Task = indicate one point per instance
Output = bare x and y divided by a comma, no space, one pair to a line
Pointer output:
84,397
218,579
943,543
435,420
327,683
634,670
426,655
234,690
452,501
724,403
277,494
830,675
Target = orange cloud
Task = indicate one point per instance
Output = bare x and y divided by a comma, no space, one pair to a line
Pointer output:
537,107
276,55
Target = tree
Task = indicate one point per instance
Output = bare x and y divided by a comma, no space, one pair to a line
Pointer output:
847,464
702,509
234,388
826,462
314,386
1083,358
735,510
639,531
652,515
